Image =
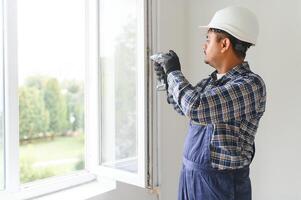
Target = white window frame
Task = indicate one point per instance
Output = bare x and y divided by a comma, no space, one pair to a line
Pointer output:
147,175
2,89
139,178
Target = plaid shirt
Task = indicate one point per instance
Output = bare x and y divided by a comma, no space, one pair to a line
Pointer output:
234,105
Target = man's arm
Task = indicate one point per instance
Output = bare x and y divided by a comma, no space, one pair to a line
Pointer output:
171,101
240,99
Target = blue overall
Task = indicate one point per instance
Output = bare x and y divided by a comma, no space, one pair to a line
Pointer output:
199,181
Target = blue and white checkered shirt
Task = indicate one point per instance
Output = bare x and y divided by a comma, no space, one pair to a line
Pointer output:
234,105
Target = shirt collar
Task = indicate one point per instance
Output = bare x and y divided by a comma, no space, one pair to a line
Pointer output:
239,69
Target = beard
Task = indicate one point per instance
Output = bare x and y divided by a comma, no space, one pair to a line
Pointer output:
208,63
205,60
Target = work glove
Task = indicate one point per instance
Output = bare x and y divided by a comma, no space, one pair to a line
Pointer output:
161,76
171,62
159,71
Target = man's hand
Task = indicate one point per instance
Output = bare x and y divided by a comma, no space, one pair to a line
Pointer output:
171,62
161,76
165,63
159,71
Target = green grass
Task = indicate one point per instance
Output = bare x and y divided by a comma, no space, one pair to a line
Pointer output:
59,148
40,160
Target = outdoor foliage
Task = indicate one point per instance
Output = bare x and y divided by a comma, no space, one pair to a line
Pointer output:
42,159
34,117
49,109
28,173
56,105
75,101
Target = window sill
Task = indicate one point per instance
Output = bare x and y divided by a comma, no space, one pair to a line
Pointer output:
79,190
82,192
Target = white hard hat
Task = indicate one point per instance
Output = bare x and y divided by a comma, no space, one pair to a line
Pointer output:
238,21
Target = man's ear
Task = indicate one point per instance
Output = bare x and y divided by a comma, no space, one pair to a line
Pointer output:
225,44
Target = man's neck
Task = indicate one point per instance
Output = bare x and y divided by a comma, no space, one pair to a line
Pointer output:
228,65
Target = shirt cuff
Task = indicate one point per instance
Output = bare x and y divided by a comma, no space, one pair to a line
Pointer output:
175,79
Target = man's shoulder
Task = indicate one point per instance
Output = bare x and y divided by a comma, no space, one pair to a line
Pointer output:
255,78
249,81
249,77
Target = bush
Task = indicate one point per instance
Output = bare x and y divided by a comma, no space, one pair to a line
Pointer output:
29,174
80,164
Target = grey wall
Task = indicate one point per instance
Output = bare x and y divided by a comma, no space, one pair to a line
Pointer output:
275,171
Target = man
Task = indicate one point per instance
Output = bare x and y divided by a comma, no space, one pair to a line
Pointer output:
224,110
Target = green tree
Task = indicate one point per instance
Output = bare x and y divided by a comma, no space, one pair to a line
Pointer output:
34,118
56,105
75,104
37,81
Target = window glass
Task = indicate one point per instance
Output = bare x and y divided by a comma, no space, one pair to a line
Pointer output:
51,58
118,49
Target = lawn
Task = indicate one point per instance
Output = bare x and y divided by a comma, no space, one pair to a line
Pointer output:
43,159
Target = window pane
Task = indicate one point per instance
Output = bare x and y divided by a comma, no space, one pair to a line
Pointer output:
1,102
51,58
118,47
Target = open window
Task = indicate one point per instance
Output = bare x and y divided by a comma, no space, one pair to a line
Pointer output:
121,73
77,76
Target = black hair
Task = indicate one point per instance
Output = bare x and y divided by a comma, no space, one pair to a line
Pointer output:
240,47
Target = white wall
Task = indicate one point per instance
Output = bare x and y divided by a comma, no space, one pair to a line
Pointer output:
275,170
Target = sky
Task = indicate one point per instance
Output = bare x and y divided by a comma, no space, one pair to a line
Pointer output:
51,35
51,38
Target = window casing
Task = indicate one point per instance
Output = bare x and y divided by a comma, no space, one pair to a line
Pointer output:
1,101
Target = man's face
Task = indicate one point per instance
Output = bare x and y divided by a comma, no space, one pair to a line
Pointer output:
212,49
